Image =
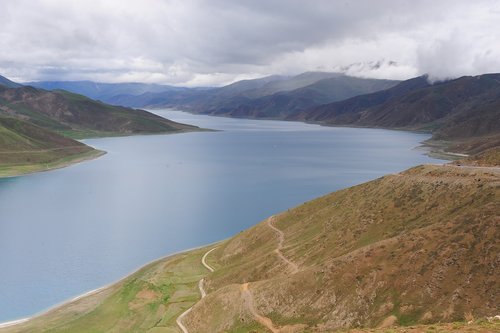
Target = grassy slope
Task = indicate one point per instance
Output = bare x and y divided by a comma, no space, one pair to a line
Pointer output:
417,247
26,148
78,116
149,300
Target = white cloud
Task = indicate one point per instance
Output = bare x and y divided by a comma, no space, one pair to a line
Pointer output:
202,42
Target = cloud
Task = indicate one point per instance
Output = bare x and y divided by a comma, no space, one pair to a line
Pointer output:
196,42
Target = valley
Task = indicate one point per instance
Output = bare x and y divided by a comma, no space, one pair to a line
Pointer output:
334,166
461,114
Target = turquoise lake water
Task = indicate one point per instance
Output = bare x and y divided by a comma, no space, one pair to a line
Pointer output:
68,231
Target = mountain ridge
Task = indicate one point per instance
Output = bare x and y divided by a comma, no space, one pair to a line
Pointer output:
8,83
78,115
26,148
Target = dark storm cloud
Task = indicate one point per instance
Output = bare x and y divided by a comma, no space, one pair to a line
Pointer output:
212,42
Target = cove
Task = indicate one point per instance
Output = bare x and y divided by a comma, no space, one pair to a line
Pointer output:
68,231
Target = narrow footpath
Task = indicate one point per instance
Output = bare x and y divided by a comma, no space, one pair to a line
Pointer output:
246,294
281,238
245,290
201,287
248,300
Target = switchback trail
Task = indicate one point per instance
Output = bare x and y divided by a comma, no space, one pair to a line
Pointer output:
281,238
203,293
245,291
248,299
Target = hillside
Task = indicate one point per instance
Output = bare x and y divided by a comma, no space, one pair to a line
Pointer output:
347,111
411,249
289,83
282,104
26,148
8,83
268,97
36,126
105,92
465,110
79,116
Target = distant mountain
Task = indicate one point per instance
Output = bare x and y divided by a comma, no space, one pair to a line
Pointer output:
467,108
244,87
80,116
104,91
8,83
268,97
196,98
274,97
26,148
289,83
347,111
35,125
283,104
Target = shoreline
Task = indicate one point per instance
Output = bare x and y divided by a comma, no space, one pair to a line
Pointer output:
15,322
434,148
80,158
98,153
37,168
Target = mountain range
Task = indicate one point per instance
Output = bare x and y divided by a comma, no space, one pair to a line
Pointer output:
467,108
37,126
103,91
462,114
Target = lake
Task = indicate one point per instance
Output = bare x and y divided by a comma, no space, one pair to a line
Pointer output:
68,231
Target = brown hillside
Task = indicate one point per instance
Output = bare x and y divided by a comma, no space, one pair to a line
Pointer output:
417,247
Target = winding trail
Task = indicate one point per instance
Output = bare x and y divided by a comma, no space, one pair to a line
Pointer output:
247,294
245,290
203,260
203,293
248,299
179,320
281,238
494,169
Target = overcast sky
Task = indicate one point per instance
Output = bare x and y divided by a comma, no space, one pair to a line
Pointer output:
213,42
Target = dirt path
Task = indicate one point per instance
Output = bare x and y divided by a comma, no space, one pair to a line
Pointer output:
472,167
248,299
179,320
203,260
202,288
245,291
281,238
203,293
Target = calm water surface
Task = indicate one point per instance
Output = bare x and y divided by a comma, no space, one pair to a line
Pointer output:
68,231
